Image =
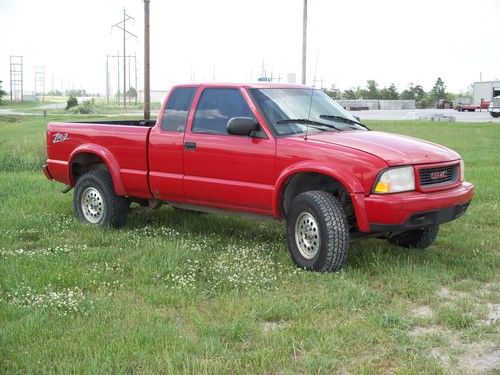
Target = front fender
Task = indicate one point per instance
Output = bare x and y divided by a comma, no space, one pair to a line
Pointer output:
350,182
107,157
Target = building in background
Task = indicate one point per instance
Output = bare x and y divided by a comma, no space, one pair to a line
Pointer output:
486,90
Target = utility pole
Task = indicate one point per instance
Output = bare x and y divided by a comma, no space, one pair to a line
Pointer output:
129,78
118,78
304,43
107,79
147,96
126,18
135,75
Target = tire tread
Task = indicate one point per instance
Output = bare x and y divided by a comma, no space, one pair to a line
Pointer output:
116,206
337,234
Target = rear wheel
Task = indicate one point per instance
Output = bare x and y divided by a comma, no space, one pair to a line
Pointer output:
419,238
317,232
95,201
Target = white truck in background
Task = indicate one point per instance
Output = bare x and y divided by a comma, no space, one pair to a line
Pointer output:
494,107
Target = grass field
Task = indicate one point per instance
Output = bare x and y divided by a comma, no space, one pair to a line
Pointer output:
179,293
100,108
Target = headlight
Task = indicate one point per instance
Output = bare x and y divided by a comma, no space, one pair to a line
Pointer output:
395,180
462,170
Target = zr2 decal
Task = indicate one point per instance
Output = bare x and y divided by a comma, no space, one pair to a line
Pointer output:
60,137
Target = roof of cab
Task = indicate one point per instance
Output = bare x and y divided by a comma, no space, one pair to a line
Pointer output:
255,85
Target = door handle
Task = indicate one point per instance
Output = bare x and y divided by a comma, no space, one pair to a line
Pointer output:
190,145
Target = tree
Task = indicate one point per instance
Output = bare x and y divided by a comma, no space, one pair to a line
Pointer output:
371,91
54,93
131,94
439,90
469,91
76,92
389,93
72,102
350,94
2,93
333,92
416,93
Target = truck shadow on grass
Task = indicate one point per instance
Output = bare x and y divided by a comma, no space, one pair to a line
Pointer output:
373,256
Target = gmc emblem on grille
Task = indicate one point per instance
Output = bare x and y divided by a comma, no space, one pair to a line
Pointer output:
438,175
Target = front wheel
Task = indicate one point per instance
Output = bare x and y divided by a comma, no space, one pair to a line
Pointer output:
495,114
95,201
317,232
419,238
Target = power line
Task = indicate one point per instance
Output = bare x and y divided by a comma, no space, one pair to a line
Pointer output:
40,81
16,78
304,43
122,25
118,56
147,94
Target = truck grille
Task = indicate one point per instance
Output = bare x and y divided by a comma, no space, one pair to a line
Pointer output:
438,176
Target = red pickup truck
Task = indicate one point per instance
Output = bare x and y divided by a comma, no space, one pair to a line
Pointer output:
283,151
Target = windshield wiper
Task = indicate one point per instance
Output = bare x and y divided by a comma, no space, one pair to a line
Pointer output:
306,121
344,119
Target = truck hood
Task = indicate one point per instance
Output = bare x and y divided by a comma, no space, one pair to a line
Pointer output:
393,149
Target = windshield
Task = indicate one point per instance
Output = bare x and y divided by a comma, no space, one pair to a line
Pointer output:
310,107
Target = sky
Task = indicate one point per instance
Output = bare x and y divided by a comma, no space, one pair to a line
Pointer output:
349,42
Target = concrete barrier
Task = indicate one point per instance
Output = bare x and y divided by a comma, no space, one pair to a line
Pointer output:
376,104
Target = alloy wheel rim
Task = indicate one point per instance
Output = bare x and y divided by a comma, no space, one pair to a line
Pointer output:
92,204
307,236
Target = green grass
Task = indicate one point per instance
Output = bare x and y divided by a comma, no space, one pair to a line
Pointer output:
19,106
100,107
180,293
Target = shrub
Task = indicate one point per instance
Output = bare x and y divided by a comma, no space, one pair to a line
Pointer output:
85,108
72,102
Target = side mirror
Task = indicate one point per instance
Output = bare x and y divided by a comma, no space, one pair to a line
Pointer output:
241,126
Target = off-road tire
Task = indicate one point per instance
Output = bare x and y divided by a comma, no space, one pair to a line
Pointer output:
332,227
418,238
114,212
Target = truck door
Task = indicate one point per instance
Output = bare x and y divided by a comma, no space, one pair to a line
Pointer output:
166,144
223,170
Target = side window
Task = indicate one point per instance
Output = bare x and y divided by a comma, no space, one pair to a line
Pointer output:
177,109
216,107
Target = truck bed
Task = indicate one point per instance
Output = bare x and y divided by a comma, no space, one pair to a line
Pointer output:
122,143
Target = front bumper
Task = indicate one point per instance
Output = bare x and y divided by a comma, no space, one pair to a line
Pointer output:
410,210
423,219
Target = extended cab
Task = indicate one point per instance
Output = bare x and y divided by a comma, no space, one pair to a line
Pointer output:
283,151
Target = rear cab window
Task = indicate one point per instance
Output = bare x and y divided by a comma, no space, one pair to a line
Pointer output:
177,109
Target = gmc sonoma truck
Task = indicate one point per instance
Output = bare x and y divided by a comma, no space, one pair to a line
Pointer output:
283,151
